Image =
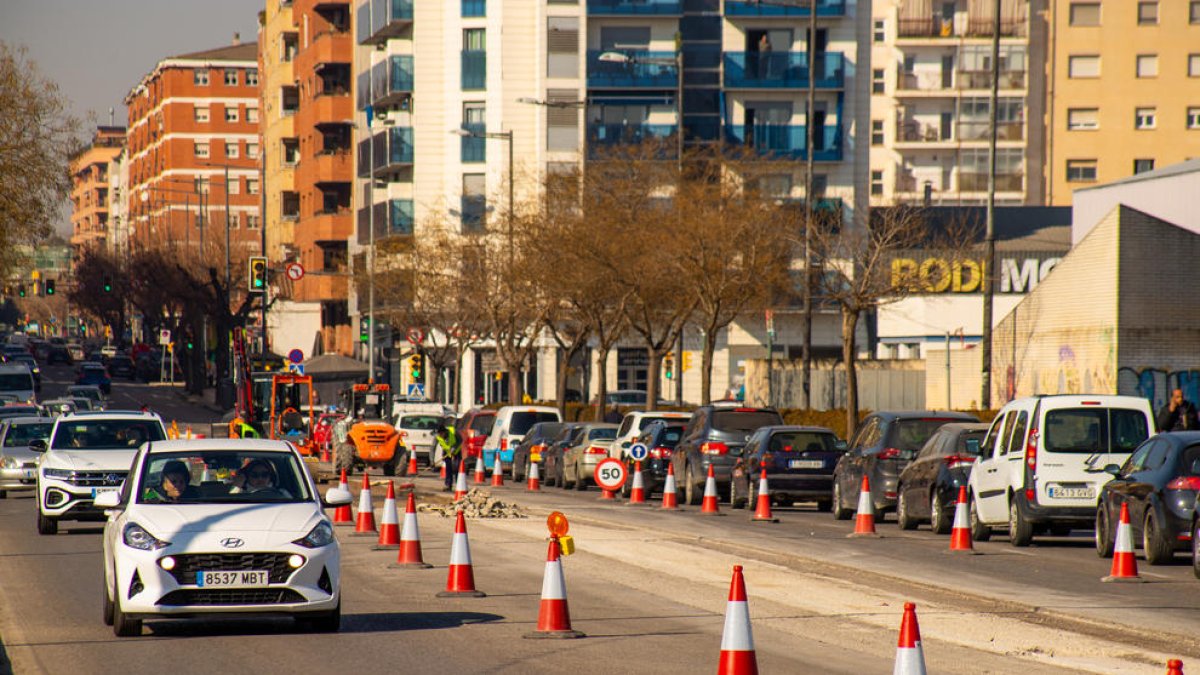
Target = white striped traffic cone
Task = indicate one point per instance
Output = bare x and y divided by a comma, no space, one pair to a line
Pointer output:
864,520
535,480
480,474
637,493
497,472
910,660
708,505
762,510
460,483
737,640
670,499
341,515
460,582
960,531
410,539
389,526
364,524
1124,564
554,619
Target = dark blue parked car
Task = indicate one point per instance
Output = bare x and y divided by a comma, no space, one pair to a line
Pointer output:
799,463
660,438
928,487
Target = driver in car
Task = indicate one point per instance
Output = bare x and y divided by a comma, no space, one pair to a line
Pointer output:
256,475
174,484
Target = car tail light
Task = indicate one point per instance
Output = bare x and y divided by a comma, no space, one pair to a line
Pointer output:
889,453
1031,451
503,443
955,461
1030,495
714,449
661,453
1185,483
593,450
539,448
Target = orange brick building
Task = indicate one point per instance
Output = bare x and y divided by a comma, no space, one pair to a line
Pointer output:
89,187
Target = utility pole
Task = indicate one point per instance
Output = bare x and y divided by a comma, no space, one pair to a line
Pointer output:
809,181
989,254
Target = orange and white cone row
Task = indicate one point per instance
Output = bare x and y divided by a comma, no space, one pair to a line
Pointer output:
960,531
910,659
864,520
389,522
497,472
670,499
535,480
410,539
460,483
737,640
364,523
637,493
460,582
341,515
554,618
762,510
480,474
708,505
1124,564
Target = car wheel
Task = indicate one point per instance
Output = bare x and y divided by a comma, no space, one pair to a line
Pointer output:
979,530
389,469
840,512
1158,549
1196,549
903,518
122,625
1104,535
580,480
3,494
343,458
1020,531
46,525
752,495
108,604
939,521
329,622
691,489
626,490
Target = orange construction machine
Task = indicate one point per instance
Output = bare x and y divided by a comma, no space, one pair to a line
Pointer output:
366,438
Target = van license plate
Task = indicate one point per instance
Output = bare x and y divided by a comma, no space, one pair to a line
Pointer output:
1059,492
232,578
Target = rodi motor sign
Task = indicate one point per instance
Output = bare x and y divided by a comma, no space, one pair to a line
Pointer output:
1018,274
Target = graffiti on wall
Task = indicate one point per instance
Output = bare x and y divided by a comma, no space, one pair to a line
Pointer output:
1074,367
1156,384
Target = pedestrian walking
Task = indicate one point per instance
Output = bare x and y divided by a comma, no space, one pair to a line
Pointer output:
450,445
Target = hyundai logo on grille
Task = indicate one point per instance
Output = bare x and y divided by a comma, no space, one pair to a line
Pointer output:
232,542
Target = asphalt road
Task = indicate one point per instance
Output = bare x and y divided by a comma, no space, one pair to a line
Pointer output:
166,400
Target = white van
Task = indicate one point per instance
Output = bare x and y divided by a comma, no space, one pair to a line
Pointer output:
17,380
637,420
1042,462
512,423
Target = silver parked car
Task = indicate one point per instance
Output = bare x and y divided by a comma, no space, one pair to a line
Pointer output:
592,445
18,462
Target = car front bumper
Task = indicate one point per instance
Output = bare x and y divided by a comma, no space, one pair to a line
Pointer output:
12,480
63,501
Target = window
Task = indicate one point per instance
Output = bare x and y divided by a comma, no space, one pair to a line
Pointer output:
1016,441
880,32
201,149
876,183
474,59
231,150
1147,65
200,77
1193,118
1193,65
252,78
1081,171
562,40
251,221
1144,118
1083,66
234,185
474,148
291,151
877,83
252,186
252,115
562,122
200,185
231,77
1147,13
474,8
876,132
201,114
1143,165
1081,119
1194,11
474,201
252,150
231,113
1085,14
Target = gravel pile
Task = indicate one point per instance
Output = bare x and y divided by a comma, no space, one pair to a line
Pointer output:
476,504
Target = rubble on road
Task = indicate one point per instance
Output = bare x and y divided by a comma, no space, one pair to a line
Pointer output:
476,504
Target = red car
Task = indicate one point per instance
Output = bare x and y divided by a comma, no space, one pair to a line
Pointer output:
474,427
323,429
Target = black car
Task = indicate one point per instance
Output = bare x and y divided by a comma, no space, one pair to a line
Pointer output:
58,354
715,436
552,456
535,442
928,488
799,462
884,444
660,437
122,366
1159,482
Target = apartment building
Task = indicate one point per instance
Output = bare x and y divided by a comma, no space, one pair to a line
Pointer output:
931,76
278,44
1124,90
90,195
192,149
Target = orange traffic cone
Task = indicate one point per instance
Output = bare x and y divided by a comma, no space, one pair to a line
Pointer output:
535,481
460,483
637,493
864,520
554,619
341,515
410,539
1175,667
389,526
670,500
497,472
910,660
442,471
413,469
460,582
1124,564
480,474
708,505
737,641
762,510
960,531
364,525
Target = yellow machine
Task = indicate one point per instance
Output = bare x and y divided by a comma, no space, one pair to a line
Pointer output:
365,438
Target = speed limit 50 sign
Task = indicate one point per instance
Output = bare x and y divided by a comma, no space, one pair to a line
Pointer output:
610,474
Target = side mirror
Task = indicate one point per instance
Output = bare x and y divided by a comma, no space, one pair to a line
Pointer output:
841,446
1112,469
107,500
337,497
626,444
38,445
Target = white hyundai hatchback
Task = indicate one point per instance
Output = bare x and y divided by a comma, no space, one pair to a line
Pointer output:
231,527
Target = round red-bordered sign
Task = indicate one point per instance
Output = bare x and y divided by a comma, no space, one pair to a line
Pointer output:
415,336
294,271
610,474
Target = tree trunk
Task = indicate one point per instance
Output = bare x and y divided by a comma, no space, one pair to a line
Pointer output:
563,357
652,382
601,382
458,366
514,385
706,364
849,325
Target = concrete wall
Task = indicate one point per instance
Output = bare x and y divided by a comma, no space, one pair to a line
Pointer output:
966,366
294,325
882,385
1175,199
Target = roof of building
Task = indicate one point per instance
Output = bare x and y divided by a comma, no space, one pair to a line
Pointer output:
1190,166
241,52
1018,228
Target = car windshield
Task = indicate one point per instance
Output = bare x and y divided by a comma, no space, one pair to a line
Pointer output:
743,420
93,371
546,430
420,422
645,421
222,477
19,411
627,397
482,424
801,441
602,434
523,421
909,436
965,447
85,392
10,381
669,437
97,434
1088,430
20,435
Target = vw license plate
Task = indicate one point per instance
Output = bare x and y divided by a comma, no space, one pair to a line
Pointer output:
231,578
1059,492
100,491
805,464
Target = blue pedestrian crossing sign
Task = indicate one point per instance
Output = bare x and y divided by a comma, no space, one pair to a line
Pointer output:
296,368
416,391
638,452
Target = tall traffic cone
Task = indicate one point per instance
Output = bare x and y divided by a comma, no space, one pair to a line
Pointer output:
364,524
960,531
188,433
554,619
670,500
535,481
497,472
460,483
910,660
864,520
413,469
460,582
389,526
1124,564
410,539
480,474
1175,667
637,493
737,641
762,510
341,515
442,472
708,505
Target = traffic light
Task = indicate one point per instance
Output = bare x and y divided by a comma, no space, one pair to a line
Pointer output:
364,329
258,274
417,363
49,287
108,286
21,290
669,366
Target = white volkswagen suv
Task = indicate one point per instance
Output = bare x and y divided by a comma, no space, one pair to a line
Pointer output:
86,456
229,526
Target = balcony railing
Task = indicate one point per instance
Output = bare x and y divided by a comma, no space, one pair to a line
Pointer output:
635,7
978,130
600,135
793,8
788,141
659,74
387,83
474,148
978,182
474,69
393,151
392,218
913,131
782,70
976,79
942,27
379,20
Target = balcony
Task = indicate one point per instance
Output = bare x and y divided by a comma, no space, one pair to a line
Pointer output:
393,151
633,74
474,69
331,46
379,20
787,141
757,9
978,182
607,135
634,7
979,130
938,27
474,148
331,165
968,131
392,218
782,70
982,79
391,81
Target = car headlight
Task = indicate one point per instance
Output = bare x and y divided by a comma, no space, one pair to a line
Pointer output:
10,462
57,473
321,535
137,537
